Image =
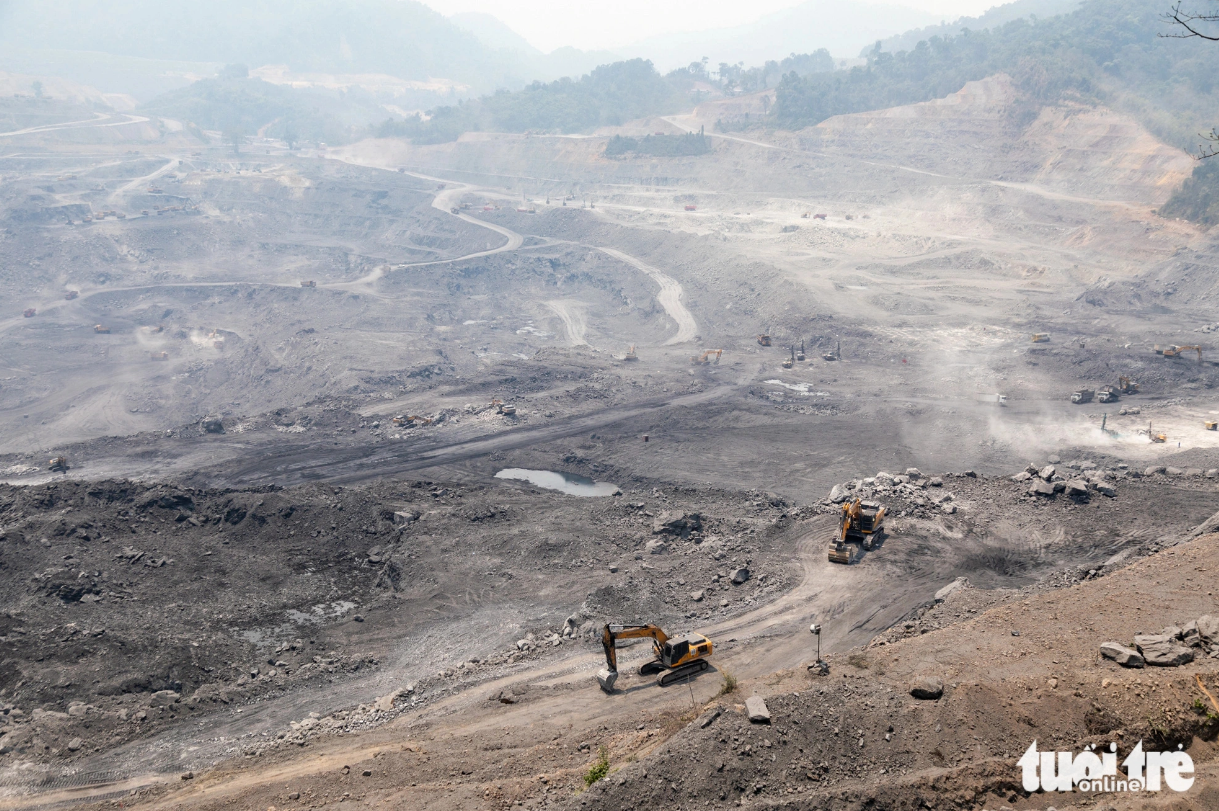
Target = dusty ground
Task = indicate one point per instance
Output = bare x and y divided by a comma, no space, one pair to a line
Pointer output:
229,566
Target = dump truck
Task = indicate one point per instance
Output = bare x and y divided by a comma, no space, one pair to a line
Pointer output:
30,313
861,522
764,339
677,657
507,410
159,356
101,329
1211,425
70,295
691,208
1082,396
1107,395
309,283
992,399
1041,337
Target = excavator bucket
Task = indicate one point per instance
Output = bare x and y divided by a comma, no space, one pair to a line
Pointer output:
606,679
840,553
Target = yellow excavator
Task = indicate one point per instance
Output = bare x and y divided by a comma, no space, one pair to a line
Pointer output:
676,657
699,360
1177,351
860,522
1127,386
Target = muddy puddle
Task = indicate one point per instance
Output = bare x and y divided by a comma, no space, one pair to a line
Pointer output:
568,483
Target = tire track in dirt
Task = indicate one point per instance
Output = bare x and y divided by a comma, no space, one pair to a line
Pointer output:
669,297
573,320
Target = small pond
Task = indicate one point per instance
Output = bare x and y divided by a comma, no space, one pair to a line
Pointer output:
568,483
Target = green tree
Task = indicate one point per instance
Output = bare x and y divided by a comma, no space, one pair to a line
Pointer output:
1204,25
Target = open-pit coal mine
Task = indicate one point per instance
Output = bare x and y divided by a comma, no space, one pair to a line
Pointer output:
333,475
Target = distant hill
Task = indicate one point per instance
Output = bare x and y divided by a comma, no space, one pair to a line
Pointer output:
401,38
496,35
993,18
235,104
609,95
493,32
840,26
1107,51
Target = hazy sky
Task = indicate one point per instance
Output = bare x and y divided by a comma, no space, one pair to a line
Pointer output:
589,24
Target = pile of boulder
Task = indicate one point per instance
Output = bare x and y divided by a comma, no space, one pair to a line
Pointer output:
1192,472
921,493
1172,647
1077,480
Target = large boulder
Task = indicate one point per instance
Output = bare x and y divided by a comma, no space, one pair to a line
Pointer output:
1041,487
163,698
927,689
1162,650
656,547
671,522
1047,472
1208,629
1124,656
1076,488
756,709
740,576
212,425
839,493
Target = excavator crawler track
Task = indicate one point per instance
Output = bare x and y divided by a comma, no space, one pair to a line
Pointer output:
650,668
679,673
